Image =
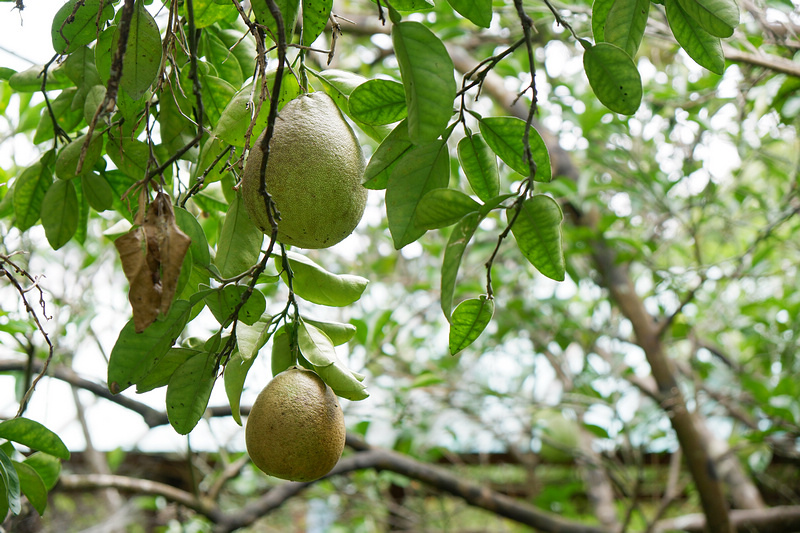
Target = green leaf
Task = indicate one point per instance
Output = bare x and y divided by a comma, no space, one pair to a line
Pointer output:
505,135
443,207
73,28
600,10
135,354
32,486
315,284
217,94
421,169
207,12
69,156
234,377
29,192
143,54
283,354
480,166
537,230
318,350
453,252
613,77
4,499
386,156
717,17
412,5
47,466
191,227
97,191
60,213
427,72
251,338
701,46
289,11
33,435
625,24
239,242
10,482
66,117
337,332
315,17
224,61
479,12
161,373
469,320
30,80
189,390
378,102
223,302
129,155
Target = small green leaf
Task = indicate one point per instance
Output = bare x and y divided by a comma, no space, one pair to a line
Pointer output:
10,482
60,211
207,12
386,156
251,338
289,10
66,117
161,373
73,28
701,46
234,377
69,156
315,17
423,168
480,166
223,302
189,390
224,61
537,230
614,78
318,350
427,72
143,54
239,242
337,332
453,252
47,466
191,227
284,355
469,320
135,354
411,5
129,155
97,191
378,102
33,435
32,486
717,17
505,135
479,12
315,284
600,10
625,24
29,192
440,208
30,80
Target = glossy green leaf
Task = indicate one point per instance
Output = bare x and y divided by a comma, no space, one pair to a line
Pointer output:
315,284
32,486
701,46
76,25
47,466
469,320
4,507
378,102
600,10
30,80
189,390
318,350
66,117
315,17
421,169
386,156
440,208
717,17
479,12
537,230
129,155
625,24
289,10
453,252
614,78
234,377
135,354
60,212
161,373
480,166
251,338
207,12
427,72
29,192
69,156
10,482
223,302
413,5
505,135
97,191
34,435
284,355
224,61
191,227
239,242
80,68
143,54
337,332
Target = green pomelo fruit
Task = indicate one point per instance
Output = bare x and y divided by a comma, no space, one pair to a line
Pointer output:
313,174
295,429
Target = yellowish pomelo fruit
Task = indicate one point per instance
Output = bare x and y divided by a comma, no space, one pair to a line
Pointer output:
295,429
313,174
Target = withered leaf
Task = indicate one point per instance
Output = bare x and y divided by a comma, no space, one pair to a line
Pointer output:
152,255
